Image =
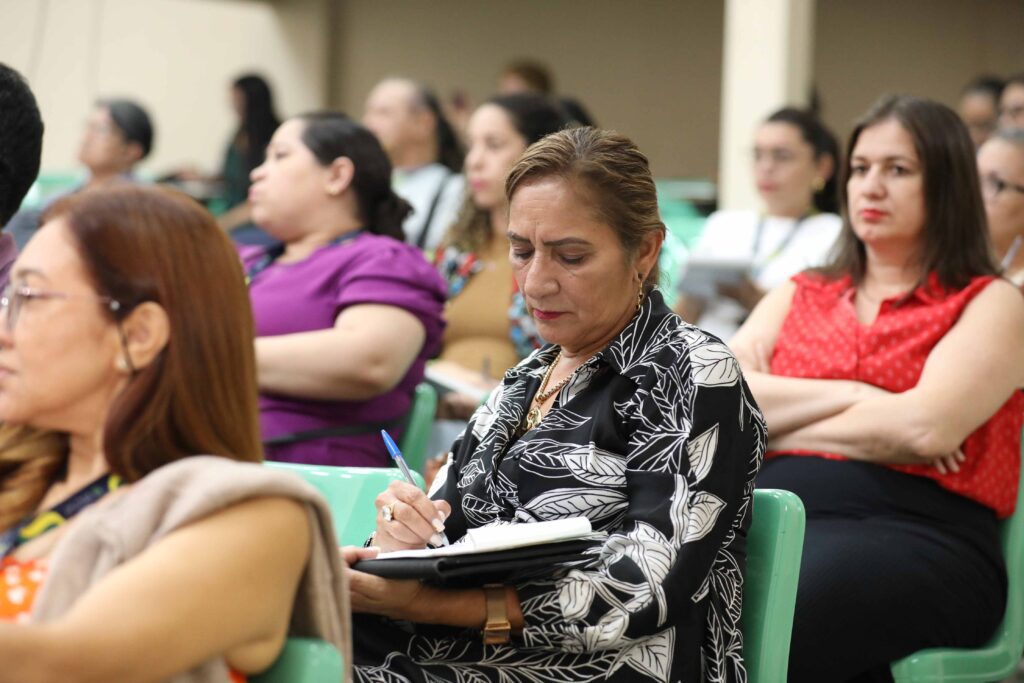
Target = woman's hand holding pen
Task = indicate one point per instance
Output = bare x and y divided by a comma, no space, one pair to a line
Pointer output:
407,519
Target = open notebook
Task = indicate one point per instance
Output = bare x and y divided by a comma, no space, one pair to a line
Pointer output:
505,552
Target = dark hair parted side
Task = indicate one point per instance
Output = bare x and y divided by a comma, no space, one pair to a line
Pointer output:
612,174
449,151
21,141
259,119
533,116
133,122
533,73
199,395
824,143
954,242
989,85
330,135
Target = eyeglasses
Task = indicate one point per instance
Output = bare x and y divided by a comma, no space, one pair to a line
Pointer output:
775,155
992,186
13,298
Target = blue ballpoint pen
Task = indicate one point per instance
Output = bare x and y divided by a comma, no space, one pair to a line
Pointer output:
399,459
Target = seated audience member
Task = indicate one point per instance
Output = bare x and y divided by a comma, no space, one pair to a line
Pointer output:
890,383
406,118
616,420
21,146
346,313
979,107
118,135
1011,103
526,76
1001,167
795,163
489,328
139,537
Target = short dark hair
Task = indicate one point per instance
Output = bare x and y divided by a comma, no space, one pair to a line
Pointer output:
21,141
985,85
132,120
823,142
535,74
449,151
955,240
329,135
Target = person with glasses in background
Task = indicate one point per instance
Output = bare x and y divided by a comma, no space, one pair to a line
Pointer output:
1011,103
795,161
118,135
1001,168
979,107
132,498
425,153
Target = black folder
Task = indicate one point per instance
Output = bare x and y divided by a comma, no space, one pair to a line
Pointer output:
476,569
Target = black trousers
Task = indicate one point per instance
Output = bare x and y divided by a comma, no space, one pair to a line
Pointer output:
892,564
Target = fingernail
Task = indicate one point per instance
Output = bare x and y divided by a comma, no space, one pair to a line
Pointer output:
438,525
436,540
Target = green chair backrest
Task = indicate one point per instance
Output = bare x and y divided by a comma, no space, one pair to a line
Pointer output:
998,658
350,494
304,660
417,429
775,543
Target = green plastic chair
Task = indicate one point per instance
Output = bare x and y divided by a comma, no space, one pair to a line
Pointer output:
775,545
417,429
998,658
304,660
350,493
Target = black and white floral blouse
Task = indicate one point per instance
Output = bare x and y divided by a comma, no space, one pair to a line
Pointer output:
657,440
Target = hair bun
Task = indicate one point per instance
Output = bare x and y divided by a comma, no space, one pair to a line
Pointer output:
390,213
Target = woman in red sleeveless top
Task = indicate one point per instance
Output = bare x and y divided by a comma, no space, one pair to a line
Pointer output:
889,382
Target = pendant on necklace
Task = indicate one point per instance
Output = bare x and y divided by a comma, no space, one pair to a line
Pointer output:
533,418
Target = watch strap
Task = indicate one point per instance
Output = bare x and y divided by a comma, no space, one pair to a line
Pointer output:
497,628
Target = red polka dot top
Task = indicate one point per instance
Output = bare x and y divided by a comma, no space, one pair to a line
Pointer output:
822,338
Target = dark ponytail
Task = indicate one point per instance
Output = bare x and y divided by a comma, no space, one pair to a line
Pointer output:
330,135
449,152
821,140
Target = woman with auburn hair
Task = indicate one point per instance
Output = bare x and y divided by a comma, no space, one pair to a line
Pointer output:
628,417
129,483
890,383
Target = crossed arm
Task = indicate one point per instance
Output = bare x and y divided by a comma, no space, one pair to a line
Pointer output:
367,353
969,374
214,587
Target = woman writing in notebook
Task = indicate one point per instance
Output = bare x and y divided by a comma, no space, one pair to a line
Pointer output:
795,163
890,383
628,417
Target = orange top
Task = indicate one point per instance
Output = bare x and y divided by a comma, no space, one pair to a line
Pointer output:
20,583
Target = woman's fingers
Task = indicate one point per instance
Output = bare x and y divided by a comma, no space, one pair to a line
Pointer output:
406,514
350,554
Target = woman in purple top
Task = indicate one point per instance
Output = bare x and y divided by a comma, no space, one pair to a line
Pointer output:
346,313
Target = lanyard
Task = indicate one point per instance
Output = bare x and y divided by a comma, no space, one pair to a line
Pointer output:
37,524
779,248
275,253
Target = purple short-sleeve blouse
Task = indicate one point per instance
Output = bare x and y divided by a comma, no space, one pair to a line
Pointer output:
308,295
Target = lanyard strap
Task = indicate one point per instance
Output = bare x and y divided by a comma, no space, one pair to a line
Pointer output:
37,524
781,247
275,253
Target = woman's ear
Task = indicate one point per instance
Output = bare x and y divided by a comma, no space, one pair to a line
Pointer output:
339,176
648,251
825,166
145,331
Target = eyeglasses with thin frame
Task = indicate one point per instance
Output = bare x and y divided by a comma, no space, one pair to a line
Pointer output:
992,185
13,298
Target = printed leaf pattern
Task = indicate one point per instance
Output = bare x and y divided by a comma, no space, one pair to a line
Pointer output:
657,441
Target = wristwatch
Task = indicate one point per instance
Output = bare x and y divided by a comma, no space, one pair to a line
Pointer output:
497,629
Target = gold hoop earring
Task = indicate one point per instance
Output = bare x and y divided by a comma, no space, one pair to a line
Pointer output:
640,294
121,364
818,185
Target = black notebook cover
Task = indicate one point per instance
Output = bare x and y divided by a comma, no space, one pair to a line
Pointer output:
477,569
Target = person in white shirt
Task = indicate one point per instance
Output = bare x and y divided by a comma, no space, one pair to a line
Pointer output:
1001,169
424,151
795,161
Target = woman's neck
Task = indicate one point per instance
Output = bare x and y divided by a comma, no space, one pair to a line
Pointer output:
499,220
890,272
796,211
579,355
338,225
86,461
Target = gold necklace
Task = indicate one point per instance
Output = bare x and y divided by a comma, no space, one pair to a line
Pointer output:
533,417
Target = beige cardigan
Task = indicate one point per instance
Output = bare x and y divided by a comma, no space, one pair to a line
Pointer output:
172,497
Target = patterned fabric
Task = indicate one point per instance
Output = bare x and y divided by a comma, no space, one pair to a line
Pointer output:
457,267
822,338
657,441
